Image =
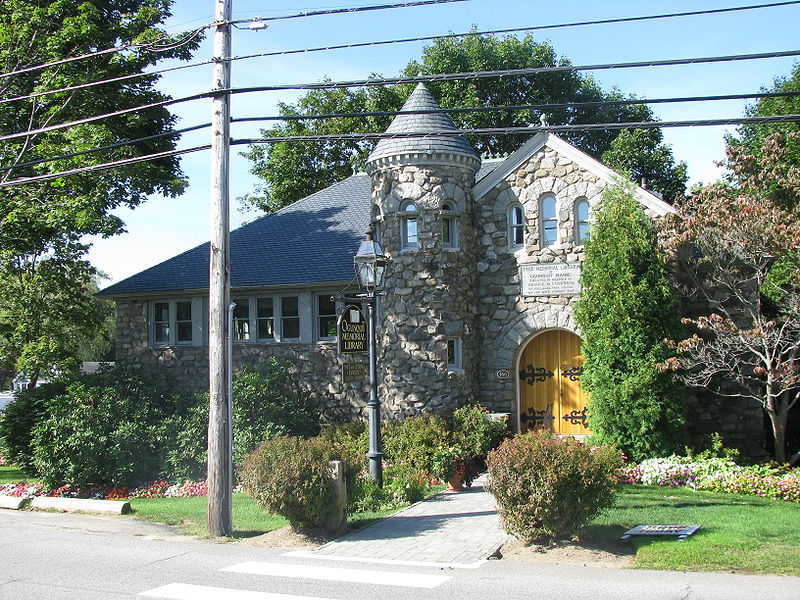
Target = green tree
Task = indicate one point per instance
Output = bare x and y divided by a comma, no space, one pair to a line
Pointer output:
727,241
752,140
292,170
42,223
626,310
642,154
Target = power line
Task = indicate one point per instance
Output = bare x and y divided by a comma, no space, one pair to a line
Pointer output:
514,30
393,41
793,118
417,79
353,9
542,107
190,35
594,104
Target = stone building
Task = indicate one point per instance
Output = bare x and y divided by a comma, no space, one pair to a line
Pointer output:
484,260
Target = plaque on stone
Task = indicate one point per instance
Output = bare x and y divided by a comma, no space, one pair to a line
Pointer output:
352,331
550,279
353,372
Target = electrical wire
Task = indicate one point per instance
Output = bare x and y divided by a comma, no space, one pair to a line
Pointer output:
394,41
354,9
413,79
543,107
792,118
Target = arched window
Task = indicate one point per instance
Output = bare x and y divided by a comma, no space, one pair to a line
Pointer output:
516,226
548,222
581,221
408,225
449,226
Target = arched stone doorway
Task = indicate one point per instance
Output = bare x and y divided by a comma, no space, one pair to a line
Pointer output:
550,393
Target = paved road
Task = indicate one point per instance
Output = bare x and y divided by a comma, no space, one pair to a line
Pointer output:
62,556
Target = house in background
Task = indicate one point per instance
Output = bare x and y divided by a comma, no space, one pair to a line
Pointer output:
484,261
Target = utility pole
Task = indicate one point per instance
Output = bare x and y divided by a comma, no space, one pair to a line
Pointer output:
220,455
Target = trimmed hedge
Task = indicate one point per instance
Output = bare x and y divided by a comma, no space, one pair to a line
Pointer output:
548,487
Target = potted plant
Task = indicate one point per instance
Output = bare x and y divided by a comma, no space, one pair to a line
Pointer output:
448,464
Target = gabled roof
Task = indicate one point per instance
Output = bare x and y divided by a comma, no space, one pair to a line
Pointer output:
310,241
537,142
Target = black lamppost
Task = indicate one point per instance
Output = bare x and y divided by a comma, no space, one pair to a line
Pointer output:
370,263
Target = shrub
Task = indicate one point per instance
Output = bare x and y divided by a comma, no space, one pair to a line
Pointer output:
413,441
267,403
626,310
17,422
475,432
289,476
349,443
549,487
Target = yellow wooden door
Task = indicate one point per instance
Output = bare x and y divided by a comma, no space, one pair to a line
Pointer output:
550,394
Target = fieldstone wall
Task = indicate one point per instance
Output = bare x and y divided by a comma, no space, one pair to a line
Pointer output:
317,366
506,319
430,290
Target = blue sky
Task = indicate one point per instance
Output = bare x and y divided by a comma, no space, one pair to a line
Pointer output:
164,227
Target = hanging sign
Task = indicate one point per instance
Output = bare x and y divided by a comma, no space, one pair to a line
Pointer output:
353,372
351,330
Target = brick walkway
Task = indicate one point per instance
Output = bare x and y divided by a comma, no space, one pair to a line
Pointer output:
456,528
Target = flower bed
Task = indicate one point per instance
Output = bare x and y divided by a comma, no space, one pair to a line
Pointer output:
715,475
154,489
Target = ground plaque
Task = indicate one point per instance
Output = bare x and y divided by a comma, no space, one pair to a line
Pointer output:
550,279
352,331
681,531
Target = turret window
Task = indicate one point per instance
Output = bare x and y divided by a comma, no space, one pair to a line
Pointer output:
449,226
548,223
408,225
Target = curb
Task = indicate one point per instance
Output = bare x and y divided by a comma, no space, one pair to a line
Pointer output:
115,507
12,502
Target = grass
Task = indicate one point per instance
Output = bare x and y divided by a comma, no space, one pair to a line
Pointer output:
739,533
189,515
12,474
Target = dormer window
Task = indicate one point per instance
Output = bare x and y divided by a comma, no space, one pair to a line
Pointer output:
548,222
408,225
581,221
449,226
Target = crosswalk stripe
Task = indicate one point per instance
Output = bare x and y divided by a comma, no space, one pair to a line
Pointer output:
336,574
186,591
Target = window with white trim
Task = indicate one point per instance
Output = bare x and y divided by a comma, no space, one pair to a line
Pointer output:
408,225
290,318
326,317
516,226
241,319
171,322
454,353
449,226
265,319
548,220
581,220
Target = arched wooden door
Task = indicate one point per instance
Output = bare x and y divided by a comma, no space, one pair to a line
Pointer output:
550,394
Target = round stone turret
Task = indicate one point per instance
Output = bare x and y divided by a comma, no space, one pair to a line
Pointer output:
423,216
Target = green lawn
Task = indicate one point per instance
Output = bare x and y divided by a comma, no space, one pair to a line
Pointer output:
190,515
739,533
11,474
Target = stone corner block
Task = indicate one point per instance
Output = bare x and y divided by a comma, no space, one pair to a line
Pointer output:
12,502
116,507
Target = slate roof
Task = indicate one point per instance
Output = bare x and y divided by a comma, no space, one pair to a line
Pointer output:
421,99
310,241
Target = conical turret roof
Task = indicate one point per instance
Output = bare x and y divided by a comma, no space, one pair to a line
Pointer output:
447,149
